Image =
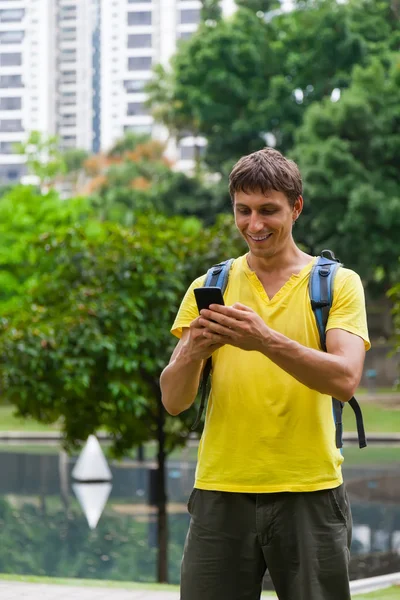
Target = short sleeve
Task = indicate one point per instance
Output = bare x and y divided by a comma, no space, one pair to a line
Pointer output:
188,311
348,310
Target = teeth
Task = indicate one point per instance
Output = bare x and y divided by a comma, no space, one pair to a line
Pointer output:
259,239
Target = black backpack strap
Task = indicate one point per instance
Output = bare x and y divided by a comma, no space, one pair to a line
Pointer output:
321,295
217,276
362,440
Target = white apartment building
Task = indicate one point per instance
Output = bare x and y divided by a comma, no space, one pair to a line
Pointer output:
46,75
78,68
136,35
76,21
26,77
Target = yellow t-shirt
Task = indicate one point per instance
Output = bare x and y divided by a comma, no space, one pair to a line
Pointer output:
265,431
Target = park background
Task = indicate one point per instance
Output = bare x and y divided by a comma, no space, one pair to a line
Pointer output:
97,253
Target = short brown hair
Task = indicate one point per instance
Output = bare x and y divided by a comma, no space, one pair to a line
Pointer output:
266,170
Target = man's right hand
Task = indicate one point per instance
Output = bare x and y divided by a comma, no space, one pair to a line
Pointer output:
197,345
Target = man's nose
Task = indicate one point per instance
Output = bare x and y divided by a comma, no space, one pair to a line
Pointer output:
256,223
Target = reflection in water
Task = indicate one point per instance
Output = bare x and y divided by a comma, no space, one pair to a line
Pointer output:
44,530
93,476
92,497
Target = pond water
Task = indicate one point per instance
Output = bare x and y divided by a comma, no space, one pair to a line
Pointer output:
45,530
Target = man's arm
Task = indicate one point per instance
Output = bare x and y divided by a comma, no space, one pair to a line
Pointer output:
179,381
336,372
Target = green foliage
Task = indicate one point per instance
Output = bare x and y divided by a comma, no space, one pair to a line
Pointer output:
263,6
219,79
140,183
91,339
43,157
129,142
348,154
74,159
394,295
165,107
242,78
211,10
25,214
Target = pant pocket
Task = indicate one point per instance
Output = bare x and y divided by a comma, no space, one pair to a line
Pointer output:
190,501
339,503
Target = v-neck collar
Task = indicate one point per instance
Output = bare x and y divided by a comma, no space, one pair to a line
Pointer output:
293,279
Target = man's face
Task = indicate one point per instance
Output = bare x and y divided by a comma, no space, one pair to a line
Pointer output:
265,222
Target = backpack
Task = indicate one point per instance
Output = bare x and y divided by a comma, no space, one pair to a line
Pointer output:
321,297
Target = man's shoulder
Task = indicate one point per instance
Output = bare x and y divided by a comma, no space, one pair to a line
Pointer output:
345,276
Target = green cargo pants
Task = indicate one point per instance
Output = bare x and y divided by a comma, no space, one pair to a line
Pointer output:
302,538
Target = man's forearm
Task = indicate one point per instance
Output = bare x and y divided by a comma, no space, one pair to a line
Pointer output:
179,382
320,371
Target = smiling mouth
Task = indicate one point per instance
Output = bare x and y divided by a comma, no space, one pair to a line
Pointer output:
258,239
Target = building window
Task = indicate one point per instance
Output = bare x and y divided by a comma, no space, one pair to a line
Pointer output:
12,16
139,18
10,103
68,98
11,37
186,152
139,63
11,125
143,40
68,55
12,172
135,85
68,121
11,81
190,16
137,109
68,34
185,35
11,59
7,148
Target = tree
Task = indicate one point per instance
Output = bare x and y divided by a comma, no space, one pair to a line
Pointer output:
128,182
248,78
394,295
211,10
43,158
217,79
24,215
91,338
263,6
348,154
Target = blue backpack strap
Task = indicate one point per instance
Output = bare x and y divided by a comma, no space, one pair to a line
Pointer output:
217,276
321,295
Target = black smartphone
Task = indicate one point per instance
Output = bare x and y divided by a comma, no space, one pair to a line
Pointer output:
208,295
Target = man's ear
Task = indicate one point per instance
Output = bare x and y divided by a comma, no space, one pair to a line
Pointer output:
298,208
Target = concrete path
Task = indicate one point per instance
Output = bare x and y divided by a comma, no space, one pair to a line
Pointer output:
10,590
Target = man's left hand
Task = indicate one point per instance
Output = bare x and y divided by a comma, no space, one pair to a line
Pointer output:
243,327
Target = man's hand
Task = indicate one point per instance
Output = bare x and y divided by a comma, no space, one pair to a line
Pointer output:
198,346
237,325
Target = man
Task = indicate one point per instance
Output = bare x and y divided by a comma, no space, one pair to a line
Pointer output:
269,491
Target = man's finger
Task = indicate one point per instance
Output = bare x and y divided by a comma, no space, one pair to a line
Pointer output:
229,311
243,307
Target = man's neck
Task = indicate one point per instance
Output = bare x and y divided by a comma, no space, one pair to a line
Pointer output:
292,259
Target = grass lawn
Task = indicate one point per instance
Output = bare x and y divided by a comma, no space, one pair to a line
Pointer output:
371,456
392,593
378,418
8,422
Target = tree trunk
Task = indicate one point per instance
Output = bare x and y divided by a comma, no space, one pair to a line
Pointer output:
162,529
